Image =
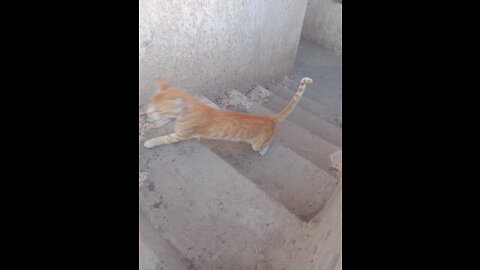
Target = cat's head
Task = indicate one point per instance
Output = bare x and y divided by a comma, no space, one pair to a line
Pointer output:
167,101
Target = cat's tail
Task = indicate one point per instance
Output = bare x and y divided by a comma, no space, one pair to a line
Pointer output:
293,103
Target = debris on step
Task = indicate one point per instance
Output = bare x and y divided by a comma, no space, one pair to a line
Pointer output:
234,100
336,160
142,176
206,101
145,123
258,94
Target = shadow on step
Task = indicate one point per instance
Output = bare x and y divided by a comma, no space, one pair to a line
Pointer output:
297,184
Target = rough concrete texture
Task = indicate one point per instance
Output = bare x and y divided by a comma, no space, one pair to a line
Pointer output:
220,220
323,23
313,148
323,249
325,68
219,205
206,101
148,259
145,123
142,176
296,183
157,253
336,160
307,104
205,46
313,123
259,94
214,216
235,99
336,163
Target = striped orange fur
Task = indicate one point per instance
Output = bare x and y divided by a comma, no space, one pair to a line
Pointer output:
196,120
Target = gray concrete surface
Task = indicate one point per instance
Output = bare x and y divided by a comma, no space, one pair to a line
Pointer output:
313,123
307,104
214,216
217,205
148,259
325,68
313,148
205,46
323,23
323,249
157,253
296,183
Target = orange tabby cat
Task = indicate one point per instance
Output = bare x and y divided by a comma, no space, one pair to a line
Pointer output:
194,119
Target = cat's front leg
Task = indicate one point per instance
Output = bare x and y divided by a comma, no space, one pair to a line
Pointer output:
167,139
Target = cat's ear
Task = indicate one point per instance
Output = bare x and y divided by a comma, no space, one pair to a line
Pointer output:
163,84
180,101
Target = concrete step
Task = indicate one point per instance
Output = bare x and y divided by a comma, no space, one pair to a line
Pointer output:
299,116
306,103
313,148
158,253
148,260
292,83
296,183
317,93
212,214
332,98
305,196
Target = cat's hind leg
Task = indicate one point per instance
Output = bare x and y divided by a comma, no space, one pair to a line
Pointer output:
262,148
167,139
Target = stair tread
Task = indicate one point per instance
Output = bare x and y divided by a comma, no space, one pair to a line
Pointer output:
202,205
311,147
323,97
156,252
148,259
309,155
305,103
299,116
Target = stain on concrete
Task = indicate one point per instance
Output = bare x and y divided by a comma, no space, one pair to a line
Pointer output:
258,94
150,186
182,152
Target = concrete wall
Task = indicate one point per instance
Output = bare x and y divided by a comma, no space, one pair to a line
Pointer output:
207,46
322,249
323,23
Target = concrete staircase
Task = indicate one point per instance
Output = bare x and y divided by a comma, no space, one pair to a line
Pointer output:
209,204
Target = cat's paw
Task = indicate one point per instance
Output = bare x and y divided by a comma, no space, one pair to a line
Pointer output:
264,149
149,144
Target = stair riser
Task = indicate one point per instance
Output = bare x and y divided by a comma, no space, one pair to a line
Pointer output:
210,212
306,103
330,100
302,142
294,182
310,122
